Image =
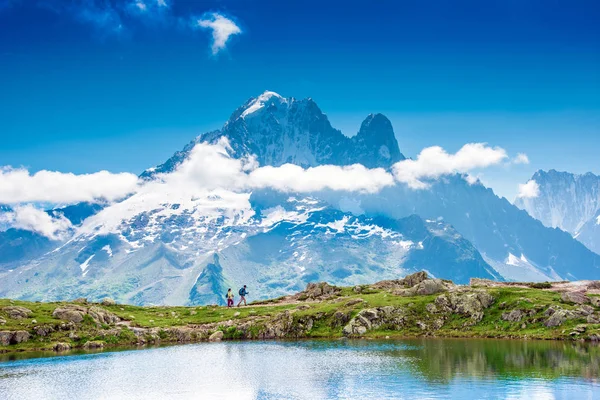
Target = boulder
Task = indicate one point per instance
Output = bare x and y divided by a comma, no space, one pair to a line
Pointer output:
80,300
2,321
62,347
595,300
93,344
70,313
107,301
354,302
5,338
20,337
44,330
513,316
558,316
575,297
102,316
216,336
414,279
319,290
17,312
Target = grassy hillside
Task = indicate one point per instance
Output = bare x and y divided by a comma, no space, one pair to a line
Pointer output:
412,307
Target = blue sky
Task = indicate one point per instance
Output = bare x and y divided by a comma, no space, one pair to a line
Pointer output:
88,85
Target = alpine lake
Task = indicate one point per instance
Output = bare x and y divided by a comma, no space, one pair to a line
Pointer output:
312,369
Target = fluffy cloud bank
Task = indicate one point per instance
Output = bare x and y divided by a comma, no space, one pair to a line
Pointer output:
434,162
29,218
210,172
529,190
18,186
222,29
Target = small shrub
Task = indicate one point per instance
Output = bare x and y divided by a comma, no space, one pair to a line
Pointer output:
540,285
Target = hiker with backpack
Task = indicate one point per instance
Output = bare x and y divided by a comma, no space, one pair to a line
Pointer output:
229,296
243,292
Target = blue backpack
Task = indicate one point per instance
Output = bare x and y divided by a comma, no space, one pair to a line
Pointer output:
242,292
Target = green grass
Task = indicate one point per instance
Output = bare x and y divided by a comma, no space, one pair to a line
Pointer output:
533,301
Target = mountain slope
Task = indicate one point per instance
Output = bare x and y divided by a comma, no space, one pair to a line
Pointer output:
183,244
567,201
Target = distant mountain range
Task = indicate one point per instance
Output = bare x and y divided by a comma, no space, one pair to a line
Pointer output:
567,201
174,248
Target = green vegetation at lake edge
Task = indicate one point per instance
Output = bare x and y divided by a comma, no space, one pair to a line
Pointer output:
415,306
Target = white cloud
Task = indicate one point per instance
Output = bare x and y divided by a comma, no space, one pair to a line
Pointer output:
18,186
434,162
521,158
222,29
211,166
529,190
29,218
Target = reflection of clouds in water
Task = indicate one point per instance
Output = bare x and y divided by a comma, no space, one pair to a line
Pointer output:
290,370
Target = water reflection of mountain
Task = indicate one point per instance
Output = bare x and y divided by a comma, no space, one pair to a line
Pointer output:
444,360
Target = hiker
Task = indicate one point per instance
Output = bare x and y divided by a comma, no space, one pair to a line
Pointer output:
229,298
243,292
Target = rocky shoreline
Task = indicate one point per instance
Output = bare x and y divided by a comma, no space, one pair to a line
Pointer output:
415,306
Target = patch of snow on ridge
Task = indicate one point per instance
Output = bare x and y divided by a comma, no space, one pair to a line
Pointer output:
512,260
338,226
86,264
261,101
108,250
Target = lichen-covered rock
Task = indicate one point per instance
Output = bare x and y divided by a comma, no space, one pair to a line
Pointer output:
340,318
216,336
431,308
513,316
102,316
278,327
372,318
427,287
595,300
70,313
593,319
558,316
354,302
80,300
471,304
17,312
575,297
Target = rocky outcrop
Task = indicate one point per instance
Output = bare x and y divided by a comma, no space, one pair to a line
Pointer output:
575,297
76,313
13,337
595,300
557,316
17,312
513,316
469,304
372,318
318,291
62,347
426,287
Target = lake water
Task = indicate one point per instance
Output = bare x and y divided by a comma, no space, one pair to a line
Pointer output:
404,369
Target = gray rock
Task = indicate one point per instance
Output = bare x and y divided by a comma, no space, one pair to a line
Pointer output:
575,297
593,319
595,300
2,321
108,302
70,313
20,337
102,316
62,347
557,317
44,330
354,301
80,300
5,338
414,279
93,344
17,312
513,316
431,308
585,310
